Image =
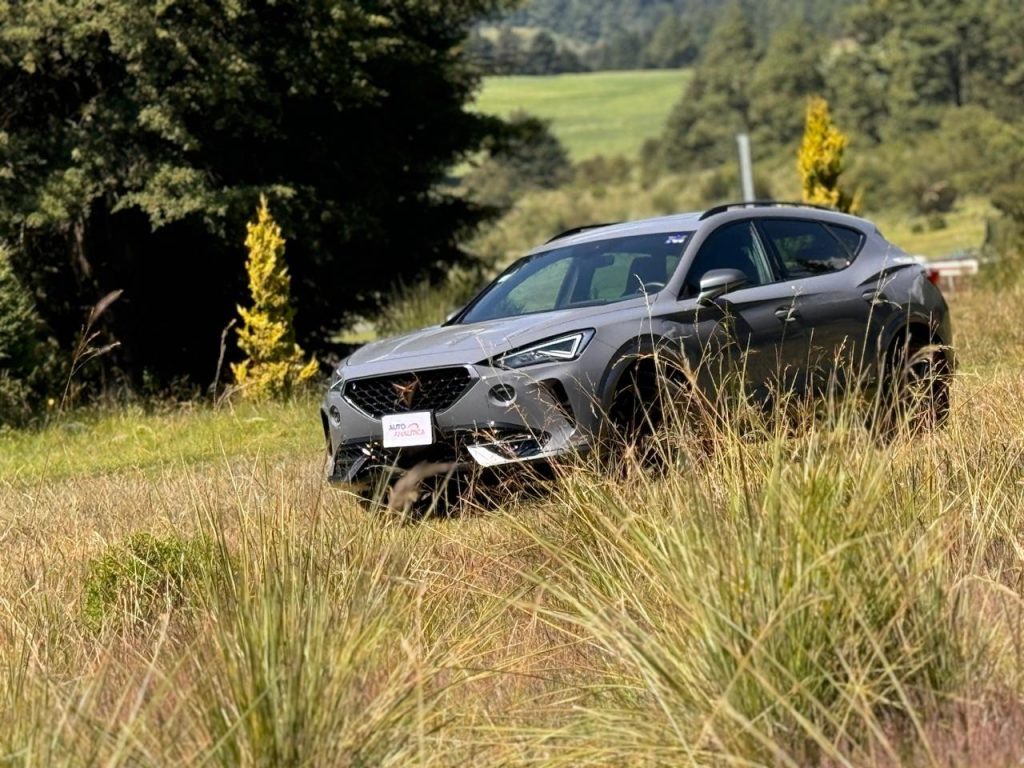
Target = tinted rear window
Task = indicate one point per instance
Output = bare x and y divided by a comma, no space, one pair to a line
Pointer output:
806,248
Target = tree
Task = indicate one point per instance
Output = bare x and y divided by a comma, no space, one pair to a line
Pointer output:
789,72
526,155
480,51
716,104
672,45
21,348
508,52
569,61
911,61
273,364
623,50
19,323
820,161
135,138
541,56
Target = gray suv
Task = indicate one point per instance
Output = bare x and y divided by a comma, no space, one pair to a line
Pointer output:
559,345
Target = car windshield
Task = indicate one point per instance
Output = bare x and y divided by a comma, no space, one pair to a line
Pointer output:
583,275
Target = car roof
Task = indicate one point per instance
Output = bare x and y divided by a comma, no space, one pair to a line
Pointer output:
691,221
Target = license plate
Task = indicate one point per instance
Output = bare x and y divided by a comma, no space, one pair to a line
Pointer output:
402,430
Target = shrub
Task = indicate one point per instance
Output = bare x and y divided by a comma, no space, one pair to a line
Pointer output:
19,324
21,347
601,170
136,580
15,400
820,161
722,185
936,197
274,362
1008,233
421,304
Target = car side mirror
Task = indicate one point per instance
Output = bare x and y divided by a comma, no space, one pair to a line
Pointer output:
453,314
718,282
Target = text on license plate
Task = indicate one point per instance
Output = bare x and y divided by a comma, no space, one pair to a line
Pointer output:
407,429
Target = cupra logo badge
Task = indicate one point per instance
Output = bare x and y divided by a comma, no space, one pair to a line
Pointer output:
405,392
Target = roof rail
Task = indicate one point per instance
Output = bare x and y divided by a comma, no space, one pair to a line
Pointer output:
759,204
577,230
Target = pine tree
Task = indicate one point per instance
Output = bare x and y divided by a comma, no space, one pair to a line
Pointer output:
274,362
672,45
789,72
820,161
715,106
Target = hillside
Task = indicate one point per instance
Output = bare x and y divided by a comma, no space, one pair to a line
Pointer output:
600,113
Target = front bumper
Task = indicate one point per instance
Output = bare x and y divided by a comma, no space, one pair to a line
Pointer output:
550,415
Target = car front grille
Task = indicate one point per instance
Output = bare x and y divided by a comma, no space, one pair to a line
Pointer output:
431,390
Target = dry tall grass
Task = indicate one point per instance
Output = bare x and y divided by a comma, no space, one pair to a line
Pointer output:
806,595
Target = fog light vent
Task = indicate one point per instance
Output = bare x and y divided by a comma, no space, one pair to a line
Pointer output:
502,394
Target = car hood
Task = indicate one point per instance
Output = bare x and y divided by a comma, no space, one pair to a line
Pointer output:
466,344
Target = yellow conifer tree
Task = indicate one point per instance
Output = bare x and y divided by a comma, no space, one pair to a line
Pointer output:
820,161
274,363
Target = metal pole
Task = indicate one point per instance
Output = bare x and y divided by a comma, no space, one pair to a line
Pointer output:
746,167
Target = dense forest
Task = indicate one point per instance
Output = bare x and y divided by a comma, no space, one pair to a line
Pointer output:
596,20
933,95
552,36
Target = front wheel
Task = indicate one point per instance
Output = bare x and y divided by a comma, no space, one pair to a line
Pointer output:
652,401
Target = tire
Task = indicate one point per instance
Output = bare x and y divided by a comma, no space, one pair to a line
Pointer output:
917,394
649,394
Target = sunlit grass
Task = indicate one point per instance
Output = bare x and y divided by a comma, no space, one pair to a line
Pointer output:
91,442
782,592
963,230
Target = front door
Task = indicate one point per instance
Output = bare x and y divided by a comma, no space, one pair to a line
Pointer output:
750,333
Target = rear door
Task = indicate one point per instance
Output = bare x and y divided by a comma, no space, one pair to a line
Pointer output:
828,307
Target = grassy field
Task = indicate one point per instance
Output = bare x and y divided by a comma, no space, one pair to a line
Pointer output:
601,113
94,443
179,588
964,229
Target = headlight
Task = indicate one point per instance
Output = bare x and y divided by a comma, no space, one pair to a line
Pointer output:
558,349
336,379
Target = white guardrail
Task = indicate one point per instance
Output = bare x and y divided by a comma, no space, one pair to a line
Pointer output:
949,274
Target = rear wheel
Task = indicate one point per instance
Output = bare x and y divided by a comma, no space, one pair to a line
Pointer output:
917,395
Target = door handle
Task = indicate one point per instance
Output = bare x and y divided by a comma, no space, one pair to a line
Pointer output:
874,296
787,313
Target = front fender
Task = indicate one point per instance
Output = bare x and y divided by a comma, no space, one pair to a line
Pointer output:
628,354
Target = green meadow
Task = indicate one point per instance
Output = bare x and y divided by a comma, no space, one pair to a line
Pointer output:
594,113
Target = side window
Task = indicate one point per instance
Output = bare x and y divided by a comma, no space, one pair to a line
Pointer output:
851,238
806,248
734,246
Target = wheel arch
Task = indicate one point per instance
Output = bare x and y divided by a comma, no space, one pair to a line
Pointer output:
631,354
915,328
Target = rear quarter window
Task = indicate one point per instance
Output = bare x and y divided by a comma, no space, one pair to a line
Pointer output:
852,239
